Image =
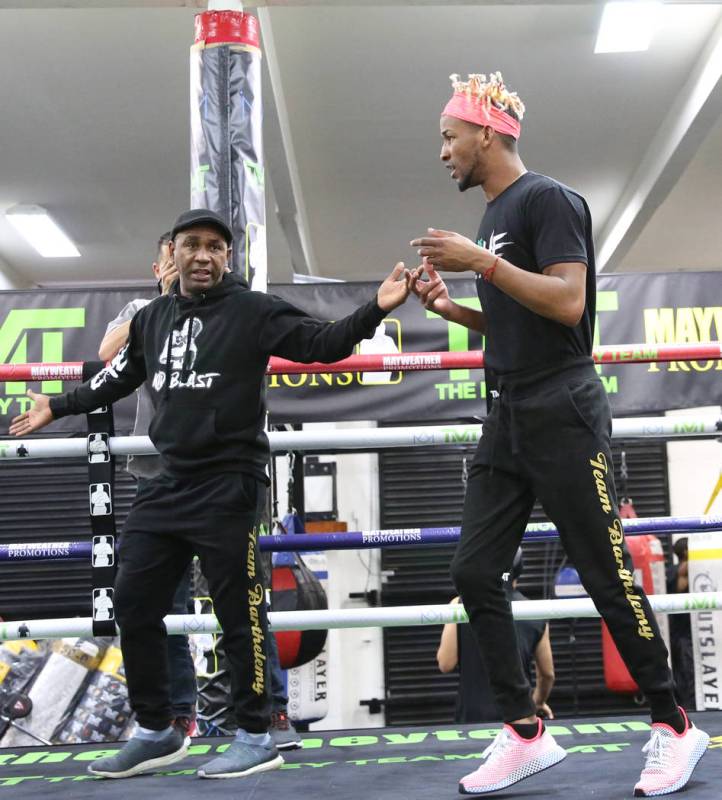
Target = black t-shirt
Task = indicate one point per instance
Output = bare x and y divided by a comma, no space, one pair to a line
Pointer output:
475,701
534,223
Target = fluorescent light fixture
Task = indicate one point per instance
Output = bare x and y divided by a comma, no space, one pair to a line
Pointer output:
628,27
301,278
41,231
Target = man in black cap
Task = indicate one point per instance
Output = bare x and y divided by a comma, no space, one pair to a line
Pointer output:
182,673
203,350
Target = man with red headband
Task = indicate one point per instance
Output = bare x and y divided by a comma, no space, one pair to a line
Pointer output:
547,435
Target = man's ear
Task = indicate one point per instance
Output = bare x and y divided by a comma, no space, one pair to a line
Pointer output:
487,135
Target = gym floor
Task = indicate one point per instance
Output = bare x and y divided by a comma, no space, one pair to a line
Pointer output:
604,762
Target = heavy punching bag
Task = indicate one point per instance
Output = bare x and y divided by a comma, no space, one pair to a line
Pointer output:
294,587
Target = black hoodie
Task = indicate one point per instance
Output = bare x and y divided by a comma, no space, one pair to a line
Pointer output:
208,388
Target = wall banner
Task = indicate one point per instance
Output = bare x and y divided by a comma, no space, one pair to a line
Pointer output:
649,309
631,309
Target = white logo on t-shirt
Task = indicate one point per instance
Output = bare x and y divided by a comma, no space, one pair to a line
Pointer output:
496,243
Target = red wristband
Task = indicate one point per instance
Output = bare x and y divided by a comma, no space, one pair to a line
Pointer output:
489,274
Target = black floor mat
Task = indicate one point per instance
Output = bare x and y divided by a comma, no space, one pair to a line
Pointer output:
379,764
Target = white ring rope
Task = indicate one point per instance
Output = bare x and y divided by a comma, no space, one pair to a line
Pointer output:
362,438
366,617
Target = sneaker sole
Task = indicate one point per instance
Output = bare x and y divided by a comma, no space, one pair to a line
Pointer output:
289,745
150,764
695,756
537,765
266,766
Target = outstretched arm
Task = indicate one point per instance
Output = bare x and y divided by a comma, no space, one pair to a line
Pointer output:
291,333
33,420
124,374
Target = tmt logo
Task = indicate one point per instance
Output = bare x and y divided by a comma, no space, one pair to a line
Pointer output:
34,334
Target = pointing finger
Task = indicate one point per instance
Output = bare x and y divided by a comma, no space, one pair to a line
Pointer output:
397,271
431,272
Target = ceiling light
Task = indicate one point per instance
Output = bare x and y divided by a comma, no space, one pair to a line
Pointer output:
40,230
628,27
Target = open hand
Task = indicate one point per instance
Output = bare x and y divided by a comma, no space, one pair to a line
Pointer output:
395,289
449,251
38,417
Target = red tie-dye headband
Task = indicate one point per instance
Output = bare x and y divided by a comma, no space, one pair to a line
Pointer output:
481,112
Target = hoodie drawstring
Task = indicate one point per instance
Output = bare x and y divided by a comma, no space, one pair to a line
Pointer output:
169,347
188,355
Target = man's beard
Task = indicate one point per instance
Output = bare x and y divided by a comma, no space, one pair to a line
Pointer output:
464,183
467,181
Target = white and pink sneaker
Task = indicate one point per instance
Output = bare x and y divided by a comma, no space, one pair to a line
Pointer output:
671,758
510,758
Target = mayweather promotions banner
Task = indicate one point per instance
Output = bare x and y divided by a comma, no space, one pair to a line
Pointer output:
52,326
635,308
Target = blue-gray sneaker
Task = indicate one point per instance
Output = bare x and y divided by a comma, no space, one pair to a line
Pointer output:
142,755
284,734
241,759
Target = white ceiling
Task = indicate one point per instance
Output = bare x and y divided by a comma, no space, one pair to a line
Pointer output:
94,127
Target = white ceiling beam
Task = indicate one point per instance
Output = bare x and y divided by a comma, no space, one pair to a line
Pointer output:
692,114
280,159
9,279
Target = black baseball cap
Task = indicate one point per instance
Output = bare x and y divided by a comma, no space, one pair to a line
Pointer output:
201,216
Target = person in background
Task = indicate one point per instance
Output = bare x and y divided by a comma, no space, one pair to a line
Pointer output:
680,628
282,730
457,648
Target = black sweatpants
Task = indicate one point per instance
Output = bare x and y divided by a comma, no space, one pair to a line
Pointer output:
548,437
173,519
181,669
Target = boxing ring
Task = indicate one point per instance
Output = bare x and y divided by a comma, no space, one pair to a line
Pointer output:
604,758
373,762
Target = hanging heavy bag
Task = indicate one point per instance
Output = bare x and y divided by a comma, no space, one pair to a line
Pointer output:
295,588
